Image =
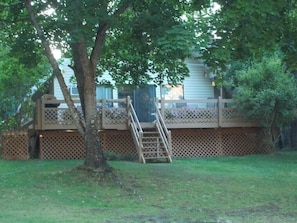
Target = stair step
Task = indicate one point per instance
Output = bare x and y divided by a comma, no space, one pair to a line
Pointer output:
151,136
153,145
150,133
148,125
156,157
152,150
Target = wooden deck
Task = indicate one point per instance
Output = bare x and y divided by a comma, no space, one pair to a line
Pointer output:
183,128
177,114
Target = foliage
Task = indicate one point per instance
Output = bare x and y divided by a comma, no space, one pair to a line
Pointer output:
17,79
188,190
147,49
246,30
22,65
268,93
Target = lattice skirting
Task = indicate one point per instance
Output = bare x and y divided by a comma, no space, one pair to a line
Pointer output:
69,145
217,142
185,142
15,145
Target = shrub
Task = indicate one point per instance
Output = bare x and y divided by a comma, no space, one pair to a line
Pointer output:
267,92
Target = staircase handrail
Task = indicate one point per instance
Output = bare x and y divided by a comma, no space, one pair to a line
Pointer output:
164,133
137,131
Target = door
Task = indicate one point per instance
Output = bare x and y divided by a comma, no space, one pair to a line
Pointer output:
144,103
143,99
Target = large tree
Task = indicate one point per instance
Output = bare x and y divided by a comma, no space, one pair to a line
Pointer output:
246,31
129,38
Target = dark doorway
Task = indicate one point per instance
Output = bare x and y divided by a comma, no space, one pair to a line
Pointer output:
144,103
143,99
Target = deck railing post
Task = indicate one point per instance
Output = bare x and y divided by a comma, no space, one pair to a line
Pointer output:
38,115
42,109
163,108
103,113
220,110
128,110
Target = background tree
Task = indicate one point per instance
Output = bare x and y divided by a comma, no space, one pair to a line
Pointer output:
245,31
131,38
268,93
18,76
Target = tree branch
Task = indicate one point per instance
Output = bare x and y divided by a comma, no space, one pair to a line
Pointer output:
41,35
101,35
57,72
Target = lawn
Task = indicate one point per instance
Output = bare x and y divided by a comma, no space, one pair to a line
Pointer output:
257,189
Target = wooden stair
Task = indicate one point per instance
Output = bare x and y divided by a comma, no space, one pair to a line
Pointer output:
152,139
152,146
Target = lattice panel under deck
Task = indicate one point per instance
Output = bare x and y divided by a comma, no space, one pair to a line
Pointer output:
216,142
195,143
239,143
61,145
185,142
15,145
118,141
69,145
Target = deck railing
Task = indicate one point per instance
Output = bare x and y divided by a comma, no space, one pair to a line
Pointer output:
136,129
54,114
164,133
203,113
113,114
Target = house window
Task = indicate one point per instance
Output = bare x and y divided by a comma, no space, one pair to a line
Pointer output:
125,91
73,91
103,92
170,92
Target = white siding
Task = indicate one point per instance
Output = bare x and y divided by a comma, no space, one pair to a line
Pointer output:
67,74
196,86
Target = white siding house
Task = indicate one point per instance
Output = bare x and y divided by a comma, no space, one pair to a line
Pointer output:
196,86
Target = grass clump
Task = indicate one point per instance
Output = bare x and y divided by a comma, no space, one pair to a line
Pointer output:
247,189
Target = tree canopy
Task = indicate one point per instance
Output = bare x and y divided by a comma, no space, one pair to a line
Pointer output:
18,76
246,30
132,39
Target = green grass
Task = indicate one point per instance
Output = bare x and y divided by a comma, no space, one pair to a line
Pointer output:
256,189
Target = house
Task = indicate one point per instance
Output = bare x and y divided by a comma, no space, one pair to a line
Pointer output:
155,122
196,86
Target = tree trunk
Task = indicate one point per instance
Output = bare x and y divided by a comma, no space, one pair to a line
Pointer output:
94,153
85,75
84,70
